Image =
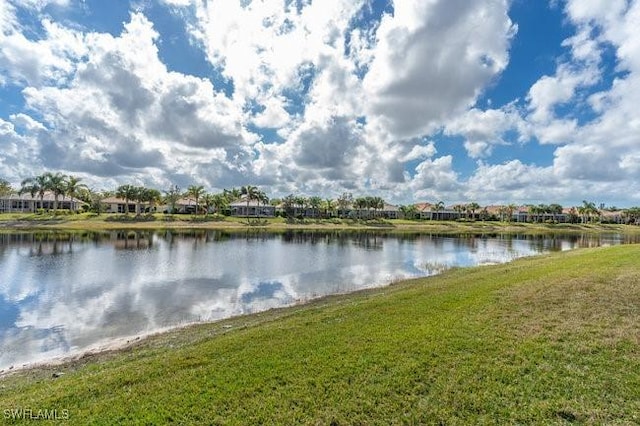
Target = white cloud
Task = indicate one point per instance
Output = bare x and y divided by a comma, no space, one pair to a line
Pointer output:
356,107
124,114
484,129
428,64
49,60
434,179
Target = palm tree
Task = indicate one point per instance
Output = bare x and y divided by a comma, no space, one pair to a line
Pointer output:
459,208
196,192
472,207
219,202
35,185
250,192
438,208
232,194
152,196
329,207
56,183
74,187
127,193
378,204
288,205
360,203
207,202
315,202
556,210
409,212
263,199
301,203
344,201
589,208
510,209
171,197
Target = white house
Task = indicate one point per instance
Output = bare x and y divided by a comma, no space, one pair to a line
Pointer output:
253,209
25,203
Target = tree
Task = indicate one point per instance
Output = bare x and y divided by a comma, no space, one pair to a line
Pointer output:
288,205
511,208
56,183
409,212
74,187
232,194
587,209
459,208
556,210
5,188
472,207
438,208
195,191
344,202
315,203
207,202
502,211
35,185
360,203
127,193
261,198
219,202
151,196
95,199
171,197
377,203
250,192
329,207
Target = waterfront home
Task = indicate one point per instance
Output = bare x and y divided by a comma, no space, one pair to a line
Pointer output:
254,209
182,206
617,217
26,203
429,211
120,205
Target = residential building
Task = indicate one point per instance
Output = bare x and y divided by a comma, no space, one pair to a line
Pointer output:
253,209
26,203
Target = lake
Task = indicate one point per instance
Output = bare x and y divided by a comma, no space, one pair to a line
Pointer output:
63,293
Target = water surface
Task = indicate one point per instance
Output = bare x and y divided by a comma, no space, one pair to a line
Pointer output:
63,293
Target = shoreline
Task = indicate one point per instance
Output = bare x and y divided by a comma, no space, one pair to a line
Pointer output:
114,347
278,225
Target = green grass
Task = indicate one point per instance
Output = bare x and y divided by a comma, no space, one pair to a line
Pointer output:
92,222
553,339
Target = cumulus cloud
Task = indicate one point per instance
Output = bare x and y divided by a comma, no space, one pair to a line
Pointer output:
484,129
428,64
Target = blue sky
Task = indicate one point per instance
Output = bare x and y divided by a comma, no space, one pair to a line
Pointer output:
492,101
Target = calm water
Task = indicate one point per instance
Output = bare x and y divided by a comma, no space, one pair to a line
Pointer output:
63,293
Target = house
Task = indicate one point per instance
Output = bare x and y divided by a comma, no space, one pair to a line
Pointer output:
424,210
389,211
431,212
182,206
119,205
26,203
253,209
607,216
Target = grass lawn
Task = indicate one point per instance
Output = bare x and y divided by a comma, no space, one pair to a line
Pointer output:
548,339
91,222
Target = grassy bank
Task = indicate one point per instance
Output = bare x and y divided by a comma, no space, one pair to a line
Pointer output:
92,222
549,339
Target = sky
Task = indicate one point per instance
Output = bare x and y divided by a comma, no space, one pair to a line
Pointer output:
490,101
